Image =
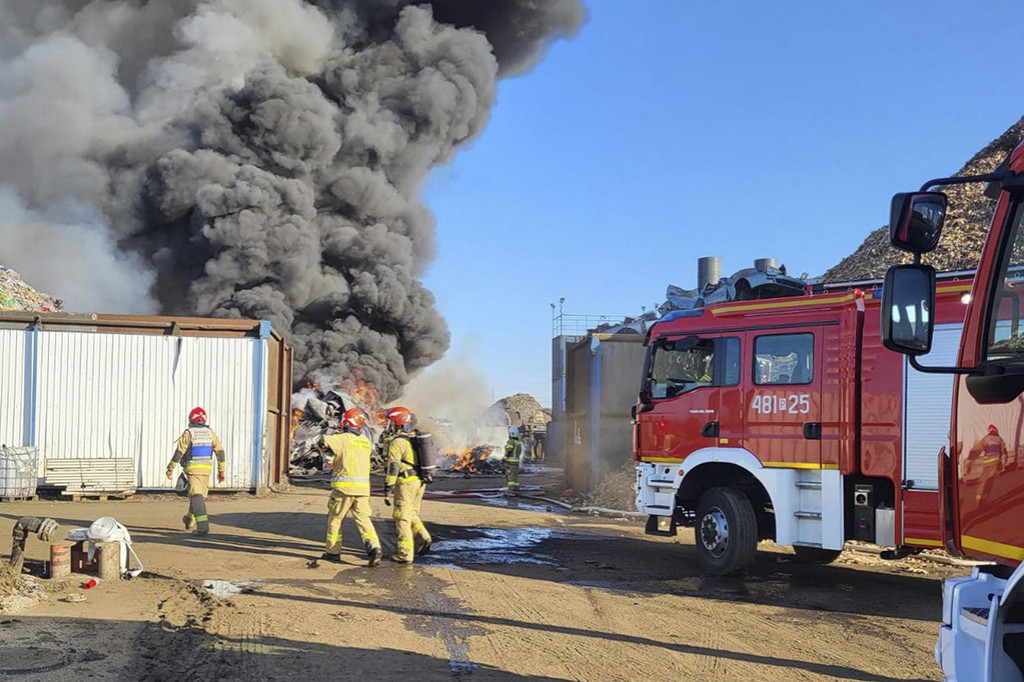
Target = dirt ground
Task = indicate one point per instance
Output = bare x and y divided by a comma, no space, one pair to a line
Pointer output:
512,590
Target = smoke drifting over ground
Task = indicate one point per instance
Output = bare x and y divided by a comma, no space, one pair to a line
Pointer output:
256,158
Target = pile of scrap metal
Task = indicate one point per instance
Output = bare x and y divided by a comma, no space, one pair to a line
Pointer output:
765,280
319,416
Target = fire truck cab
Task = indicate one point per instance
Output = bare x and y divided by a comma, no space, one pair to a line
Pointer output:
786,419
981,467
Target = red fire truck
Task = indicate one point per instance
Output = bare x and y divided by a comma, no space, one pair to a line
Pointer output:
786,419
981,466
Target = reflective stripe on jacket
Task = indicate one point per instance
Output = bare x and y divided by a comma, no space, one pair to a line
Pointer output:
401,460
512,448
350,474
197,446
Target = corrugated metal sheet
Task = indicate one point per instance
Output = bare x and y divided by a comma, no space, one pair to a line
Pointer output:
128,395
927,400
13,381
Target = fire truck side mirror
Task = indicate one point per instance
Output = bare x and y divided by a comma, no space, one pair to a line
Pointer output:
915,220
908,299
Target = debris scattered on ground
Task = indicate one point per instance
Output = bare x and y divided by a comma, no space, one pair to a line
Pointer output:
967,221
615,490
16,294
9,580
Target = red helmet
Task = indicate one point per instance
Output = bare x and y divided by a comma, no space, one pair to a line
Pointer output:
197,416
354,418
400,416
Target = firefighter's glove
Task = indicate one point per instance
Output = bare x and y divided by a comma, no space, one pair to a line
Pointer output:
170,473
389,491
220,477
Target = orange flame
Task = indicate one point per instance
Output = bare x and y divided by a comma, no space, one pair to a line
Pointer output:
295,423
470,459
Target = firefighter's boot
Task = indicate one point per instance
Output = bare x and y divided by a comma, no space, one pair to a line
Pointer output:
197,508
375,556
189,521
424,545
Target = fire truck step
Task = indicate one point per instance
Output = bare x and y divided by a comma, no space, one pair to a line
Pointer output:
809,485
807,515
807,544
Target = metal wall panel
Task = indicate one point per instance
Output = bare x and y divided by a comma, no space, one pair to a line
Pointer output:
15,377
927,399
129,395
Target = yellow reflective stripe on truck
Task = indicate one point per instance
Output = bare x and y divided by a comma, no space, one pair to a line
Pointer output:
992,547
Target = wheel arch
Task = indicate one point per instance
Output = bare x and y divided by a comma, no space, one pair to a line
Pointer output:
736,471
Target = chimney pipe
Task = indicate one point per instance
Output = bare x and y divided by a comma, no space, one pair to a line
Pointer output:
762,264
709,271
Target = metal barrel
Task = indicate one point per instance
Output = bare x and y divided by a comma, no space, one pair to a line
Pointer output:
709,271
762,264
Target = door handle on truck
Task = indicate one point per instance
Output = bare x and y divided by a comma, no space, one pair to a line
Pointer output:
710,430
812,430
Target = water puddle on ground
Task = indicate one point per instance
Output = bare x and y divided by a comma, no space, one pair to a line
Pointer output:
226,588
520,503
492,546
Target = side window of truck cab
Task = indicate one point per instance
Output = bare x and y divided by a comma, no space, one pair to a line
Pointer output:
1005,336
681,366
784,359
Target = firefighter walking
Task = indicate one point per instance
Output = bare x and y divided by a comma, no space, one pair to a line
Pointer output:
404,482
513,451
195,451
350,487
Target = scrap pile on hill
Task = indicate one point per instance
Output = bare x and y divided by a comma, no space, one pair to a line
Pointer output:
967,221
15,294
520,409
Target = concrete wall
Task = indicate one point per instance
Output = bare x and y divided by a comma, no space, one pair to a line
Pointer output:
602,380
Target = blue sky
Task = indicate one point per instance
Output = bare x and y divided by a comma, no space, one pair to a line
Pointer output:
669,130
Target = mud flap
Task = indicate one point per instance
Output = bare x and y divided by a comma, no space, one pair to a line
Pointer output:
197,506
661,525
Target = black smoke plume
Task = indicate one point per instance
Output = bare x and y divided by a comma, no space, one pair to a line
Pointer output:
251,158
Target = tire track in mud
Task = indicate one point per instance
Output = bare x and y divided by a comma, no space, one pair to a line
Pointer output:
180,645
435,614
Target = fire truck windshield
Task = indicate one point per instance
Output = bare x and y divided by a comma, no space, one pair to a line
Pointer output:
1005,337
674,372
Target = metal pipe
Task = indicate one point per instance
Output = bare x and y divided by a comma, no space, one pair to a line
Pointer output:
46,529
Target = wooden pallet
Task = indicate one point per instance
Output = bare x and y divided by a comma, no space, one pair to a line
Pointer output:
101,478
18,498
78,495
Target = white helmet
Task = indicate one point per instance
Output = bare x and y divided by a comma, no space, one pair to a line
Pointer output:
513,432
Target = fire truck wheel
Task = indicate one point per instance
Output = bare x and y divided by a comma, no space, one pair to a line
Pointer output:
726,531
816,555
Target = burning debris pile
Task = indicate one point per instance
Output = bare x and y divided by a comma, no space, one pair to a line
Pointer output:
317,413
480,459
252,158
967,221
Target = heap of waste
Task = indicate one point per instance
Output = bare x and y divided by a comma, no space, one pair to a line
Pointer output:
15,294
967,221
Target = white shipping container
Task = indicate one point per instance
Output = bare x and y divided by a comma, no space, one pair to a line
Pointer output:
79,394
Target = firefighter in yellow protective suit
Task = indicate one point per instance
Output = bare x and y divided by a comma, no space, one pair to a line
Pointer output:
350,487
408,488
513,452
195,451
